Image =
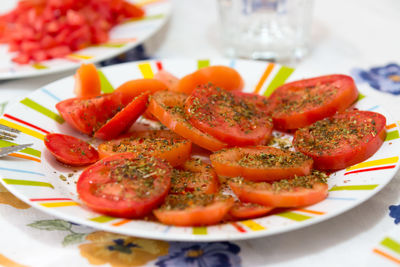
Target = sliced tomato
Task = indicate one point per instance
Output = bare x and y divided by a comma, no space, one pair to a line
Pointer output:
342,140
125,185
194,209
87,81
238,119
297,192
70,150
88,115
260,163
170,80
300,103
121,121
134,88
162,144
194,177
241,210
221,76
167,107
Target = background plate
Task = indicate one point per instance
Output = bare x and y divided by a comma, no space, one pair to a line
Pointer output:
36,178
122,38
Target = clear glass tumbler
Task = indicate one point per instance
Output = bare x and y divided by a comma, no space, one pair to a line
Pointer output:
275,30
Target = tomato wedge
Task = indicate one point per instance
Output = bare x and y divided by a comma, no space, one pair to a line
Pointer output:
297,192
194,177
70,150
300,103
238,119
342,140
194,209
134,88
88,115
87,81
162,144
242,210
221,76
170,80
124,185
121,121
260,163
167,107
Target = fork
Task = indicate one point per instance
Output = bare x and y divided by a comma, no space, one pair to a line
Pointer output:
9,134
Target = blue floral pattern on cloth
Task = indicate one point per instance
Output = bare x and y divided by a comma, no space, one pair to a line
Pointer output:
218,254
385,79
395,213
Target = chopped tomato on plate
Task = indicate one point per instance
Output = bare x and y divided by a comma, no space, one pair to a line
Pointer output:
342,140
300,103
167,107
125,185
87,81
297,192
238,119
162,144
70,150
260,163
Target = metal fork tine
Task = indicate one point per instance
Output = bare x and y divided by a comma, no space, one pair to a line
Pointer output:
9,129
11,149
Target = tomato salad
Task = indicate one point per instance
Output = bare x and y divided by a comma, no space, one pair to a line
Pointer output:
155,174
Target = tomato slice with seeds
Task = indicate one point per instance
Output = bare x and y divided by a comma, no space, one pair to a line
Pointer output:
260,163
88,115
125,185
167,107
194,176
342,140
194,209
222,76
297,192
300,103
242,210
238,119
70,150
87,81
121,121
162,144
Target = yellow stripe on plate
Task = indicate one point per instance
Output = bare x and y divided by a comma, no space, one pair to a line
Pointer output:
253,225
146,70
23,129
374,163
59,204
80,57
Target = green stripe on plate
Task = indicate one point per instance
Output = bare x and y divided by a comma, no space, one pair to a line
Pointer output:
28,150
39,108
294,216
39,66
27,183
199,230
354,187
392,135
360,96
102,219
202,63
391,244
151,17
279,79
106,86
112,45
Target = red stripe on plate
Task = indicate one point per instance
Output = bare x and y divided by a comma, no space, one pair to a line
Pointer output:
49,199
25,122
371,169
159,65
238,227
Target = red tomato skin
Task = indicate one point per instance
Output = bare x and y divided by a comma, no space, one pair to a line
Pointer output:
123,119
224,168
242,211
296,198
123,209
88,115
70,150
348,157
346,95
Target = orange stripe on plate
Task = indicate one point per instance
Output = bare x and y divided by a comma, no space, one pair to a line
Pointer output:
387,256
122,40
24,157
390,126
121,222
312,211
148,2
264,77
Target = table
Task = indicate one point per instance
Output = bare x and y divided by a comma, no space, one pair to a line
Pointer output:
346,36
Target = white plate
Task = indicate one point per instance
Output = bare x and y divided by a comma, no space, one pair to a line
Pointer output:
122,38
38,179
